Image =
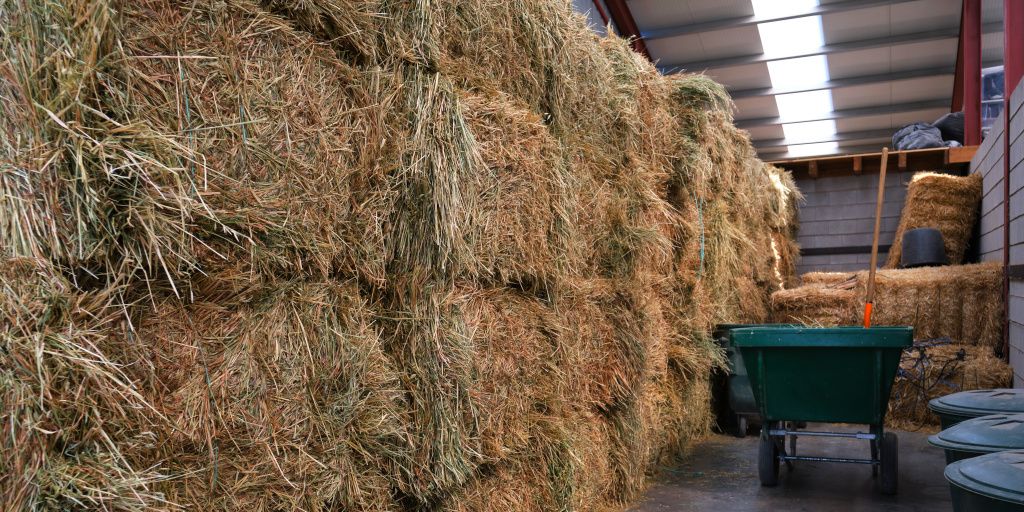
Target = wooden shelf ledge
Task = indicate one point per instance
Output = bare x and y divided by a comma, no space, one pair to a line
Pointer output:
913,160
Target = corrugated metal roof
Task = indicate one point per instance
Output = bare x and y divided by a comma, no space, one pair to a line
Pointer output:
889,62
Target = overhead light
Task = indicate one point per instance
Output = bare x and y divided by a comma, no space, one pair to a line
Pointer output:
804,106
782,42
791,37
811,131
798,72
818,148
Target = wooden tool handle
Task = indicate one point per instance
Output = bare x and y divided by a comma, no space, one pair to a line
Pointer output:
874,240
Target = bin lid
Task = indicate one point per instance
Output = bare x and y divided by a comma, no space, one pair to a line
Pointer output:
998,475
985,434
980,402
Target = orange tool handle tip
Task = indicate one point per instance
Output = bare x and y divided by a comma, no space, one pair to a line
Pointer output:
867,315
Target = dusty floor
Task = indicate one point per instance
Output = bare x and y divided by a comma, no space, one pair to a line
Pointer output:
721,476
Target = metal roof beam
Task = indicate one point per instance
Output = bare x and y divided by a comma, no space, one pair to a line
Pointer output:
845,82
742,21
835,137
942,103
860,146
895,76
828,49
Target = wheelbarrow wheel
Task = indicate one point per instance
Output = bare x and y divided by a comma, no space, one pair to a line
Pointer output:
874,456
889,464
741,426
768,461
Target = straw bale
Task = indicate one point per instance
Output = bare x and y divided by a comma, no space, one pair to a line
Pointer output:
70,411
934,368
285,401
86,183
817,305
526,200
960,302
944,202
827,278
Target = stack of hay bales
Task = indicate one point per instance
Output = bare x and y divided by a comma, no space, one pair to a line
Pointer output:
960,303
944,202
372,255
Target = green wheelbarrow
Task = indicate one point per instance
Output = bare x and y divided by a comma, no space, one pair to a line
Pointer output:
823,375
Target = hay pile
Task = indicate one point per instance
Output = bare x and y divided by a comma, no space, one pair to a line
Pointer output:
369,255
944,202
959,302
934,368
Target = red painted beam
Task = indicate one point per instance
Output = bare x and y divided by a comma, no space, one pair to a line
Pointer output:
971,69
600,10
1013,54
623,18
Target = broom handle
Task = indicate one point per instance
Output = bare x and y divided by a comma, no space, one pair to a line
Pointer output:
874,240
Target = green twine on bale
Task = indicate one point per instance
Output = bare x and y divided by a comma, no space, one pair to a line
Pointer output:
700,220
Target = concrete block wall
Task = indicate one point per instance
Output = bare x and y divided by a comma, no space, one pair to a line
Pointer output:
989,162
840,212
1016,300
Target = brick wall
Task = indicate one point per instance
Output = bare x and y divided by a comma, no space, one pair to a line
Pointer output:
840,212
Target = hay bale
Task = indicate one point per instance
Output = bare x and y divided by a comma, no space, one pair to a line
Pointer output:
816,305
954,301
526,198
617,329
276,159
787,254
519,365
944,202
934,368
284,400
87,184
71,411
827,278
951,301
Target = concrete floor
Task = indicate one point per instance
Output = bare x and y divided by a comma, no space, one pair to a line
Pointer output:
721,476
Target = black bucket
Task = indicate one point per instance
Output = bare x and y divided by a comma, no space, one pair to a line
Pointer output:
923,247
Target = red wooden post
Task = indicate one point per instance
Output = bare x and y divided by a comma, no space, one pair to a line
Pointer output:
1013,53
